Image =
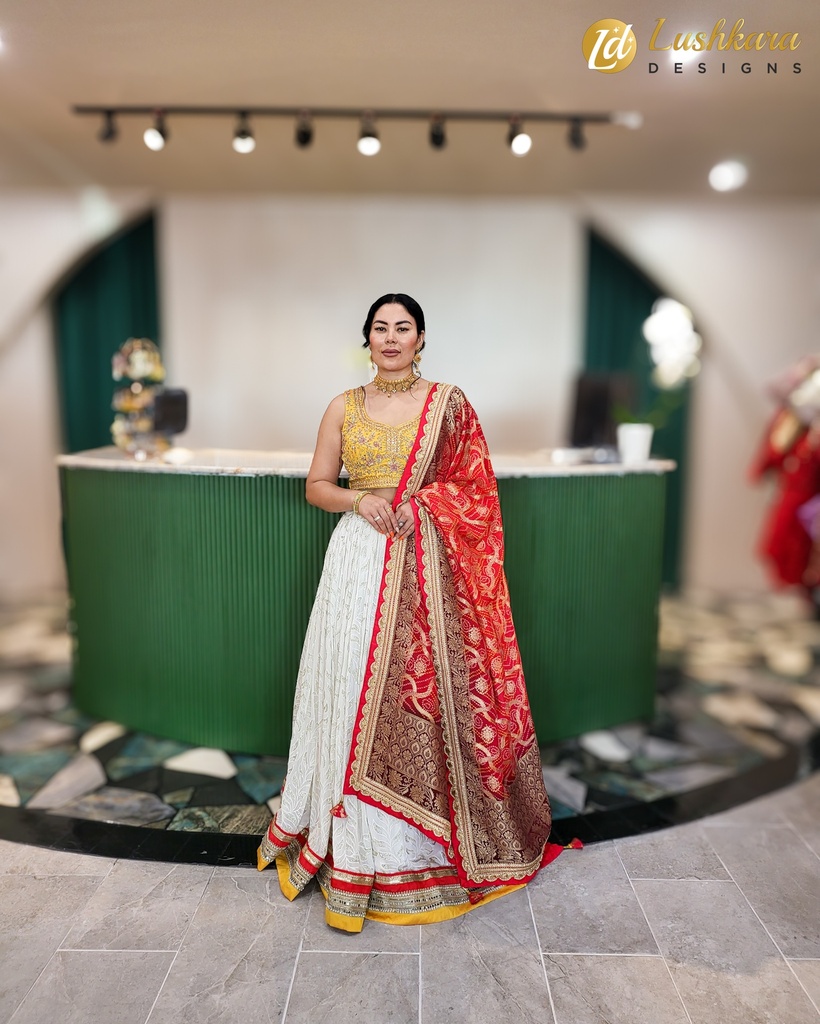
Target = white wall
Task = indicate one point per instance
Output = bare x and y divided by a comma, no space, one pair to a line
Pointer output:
264,299
751,274
41,235
30,555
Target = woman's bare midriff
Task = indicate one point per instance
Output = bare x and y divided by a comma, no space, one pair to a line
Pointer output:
388,493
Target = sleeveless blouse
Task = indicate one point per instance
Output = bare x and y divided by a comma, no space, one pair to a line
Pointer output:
374,453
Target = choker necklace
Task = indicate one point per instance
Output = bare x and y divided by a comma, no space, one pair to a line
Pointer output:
390,387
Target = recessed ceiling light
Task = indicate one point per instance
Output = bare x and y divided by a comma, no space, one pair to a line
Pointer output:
728,175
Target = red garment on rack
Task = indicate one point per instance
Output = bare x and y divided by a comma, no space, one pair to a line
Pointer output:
784,543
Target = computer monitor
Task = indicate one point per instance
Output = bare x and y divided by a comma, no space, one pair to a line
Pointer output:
597,396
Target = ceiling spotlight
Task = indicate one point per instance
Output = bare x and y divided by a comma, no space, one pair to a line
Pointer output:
156,136
304,130
576,137
728,175
517,139
438,136
109,131
368,144
243,140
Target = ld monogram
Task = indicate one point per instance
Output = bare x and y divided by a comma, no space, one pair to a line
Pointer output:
609,46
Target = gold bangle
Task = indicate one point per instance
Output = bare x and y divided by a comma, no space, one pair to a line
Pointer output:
357,501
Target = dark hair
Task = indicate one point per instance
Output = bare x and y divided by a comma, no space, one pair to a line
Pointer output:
410,304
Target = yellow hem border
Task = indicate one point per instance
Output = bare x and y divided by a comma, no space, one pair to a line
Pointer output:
342,923
441,913
354,924
289,890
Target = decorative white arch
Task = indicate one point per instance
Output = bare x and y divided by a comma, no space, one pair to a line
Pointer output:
44,234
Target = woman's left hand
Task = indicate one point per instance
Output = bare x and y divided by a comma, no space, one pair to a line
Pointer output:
407,524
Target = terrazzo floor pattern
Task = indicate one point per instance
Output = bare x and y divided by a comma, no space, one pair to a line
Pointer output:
716,922
737,714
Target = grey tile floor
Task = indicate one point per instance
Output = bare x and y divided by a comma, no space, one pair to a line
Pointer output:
716,922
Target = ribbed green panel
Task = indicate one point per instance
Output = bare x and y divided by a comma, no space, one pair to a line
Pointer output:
583,560
192,595
191,599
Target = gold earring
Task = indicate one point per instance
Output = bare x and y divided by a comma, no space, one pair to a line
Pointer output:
417,363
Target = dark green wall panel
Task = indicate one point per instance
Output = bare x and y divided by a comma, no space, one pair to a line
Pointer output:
620,297
583,561
191,595
112,297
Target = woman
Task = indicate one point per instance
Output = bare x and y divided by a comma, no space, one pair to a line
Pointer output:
414,789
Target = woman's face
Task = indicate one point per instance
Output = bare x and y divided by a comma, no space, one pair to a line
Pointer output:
394,339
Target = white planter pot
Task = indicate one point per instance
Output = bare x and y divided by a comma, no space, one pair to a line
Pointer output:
634,442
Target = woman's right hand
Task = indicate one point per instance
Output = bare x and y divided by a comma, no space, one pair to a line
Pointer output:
379,513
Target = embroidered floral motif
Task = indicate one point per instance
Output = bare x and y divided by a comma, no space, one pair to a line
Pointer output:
374,453
354,894
445,672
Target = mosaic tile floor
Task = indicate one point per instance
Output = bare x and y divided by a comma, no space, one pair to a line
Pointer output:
738,714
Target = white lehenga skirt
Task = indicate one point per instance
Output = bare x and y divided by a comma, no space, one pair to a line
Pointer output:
368,863
364,840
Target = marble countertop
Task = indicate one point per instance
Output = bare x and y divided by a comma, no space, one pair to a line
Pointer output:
232,462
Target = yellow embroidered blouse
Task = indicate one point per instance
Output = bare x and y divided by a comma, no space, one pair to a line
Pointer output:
374,453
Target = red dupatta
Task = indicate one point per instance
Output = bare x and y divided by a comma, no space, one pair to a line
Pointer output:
444,736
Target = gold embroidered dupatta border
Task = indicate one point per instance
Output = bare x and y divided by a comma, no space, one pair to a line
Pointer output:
364,745
414,748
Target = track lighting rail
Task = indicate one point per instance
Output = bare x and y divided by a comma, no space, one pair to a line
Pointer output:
350,113
368,143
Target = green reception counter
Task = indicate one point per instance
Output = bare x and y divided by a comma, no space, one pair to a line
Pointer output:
192,582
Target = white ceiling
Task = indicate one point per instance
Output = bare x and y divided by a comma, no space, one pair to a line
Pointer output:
488,54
